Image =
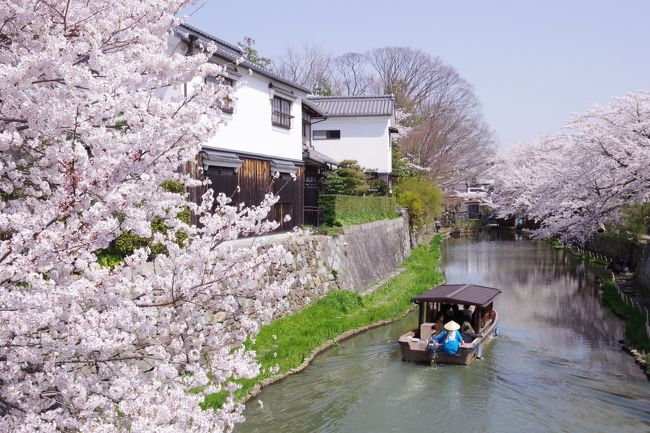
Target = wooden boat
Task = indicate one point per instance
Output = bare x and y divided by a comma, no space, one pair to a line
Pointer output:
484,320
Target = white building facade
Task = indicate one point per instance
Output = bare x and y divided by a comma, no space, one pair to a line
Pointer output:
260,146
357,128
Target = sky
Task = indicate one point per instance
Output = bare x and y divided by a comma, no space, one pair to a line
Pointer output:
532,63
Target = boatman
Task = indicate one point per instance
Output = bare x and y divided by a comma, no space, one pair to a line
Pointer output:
449,340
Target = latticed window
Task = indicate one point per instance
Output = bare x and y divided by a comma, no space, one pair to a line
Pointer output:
329,134
281,115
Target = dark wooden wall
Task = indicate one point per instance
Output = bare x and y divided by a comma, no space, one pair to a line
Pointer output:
291,199
254,180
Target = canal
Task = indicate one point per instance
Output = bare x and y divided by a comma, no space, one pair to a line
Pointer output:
557,367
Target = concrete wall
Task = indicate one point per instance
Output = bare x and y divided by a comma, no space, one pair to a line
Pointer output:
365,139
355,260
366,253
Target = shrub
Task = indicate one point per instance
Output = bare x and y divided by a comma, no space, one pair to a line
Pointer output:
127,242
347,179
422,198
378,187
341,210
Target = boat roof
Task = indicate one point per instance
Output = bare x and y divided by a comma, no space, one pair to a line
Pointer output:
471,294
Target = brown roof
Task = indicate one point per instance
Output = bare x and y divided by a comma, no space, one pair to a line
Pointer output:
459,294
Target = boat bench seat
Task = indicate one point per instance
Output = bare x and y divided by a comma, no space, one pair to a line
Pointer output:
418,345
427,330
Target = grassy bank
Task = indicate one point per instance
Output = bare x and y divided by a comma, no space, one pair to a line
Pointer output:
635,334
286,342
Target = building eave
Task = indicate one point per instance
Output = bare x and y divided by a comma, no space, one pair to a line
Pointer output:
233,54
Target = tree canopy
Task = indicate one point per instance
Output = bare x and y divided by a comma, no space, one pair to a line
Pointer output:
87,144
573,183
440,118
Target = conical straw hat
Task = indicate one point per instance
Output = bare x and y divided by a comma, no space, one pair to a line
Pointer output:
452,326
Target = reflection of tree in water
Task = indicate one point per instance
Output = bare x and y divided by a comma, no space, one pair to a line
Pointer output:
543,288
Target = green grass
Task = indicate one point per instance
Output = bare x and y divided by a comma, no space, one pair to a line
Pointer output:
555,244
635,334
587,257
288,341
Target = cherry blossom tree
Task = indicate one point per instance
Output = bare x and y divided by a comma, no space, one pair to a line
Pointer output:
574,182
85,145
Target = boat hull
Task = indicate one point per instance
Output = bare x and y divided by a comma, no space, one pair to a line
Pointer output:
416,350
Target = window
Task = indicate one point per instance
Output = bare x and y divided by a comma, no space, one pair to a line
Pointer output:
281,114
285,188
330,134
224,179
220,171
226,105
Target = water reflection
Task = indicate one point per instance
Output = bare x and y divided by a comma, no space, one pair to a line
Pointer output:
556,368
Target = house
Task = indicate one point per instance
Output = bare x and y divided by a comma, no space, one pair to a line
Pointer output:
469,200
260,148
358,128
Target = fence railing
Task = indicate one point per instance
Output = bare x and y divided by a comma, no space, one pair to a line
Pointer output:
628,300
312,215
591,254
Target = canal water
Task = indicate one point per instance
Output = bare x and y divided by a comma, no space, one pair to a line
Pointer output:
557,367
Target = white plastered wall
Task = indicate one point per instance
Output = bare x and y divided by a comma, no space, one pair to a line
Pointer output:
249,129
365,139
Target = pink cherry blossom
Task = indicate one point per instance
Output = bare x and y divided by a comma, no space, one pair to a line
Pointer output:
573,182
86,141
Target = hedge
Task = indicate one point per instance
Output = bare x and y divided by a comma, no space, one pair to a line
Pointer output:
345,210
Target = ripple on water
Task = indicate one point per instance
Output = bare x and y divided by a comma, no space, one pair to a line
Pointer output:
556,368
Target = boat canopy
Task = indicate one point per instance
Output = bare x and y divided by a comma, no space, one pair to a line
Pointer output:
469,294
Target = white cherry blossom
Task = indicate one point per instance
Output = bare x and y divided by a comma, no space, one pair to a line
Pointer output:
85,144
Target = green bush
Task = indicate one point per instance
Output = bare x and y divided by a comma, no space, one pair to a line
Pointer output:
347,179
400,163
108,259
378,187
635,221
127,242
343,210
173,186
422,198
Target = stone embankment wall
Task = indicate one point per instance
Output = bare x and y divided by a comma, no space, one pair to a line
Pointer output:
366,253
354,260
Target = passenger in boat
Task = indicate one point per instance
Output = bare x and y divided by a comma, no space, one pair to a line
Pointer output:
447,313
467,314
467,332
458,315
449,340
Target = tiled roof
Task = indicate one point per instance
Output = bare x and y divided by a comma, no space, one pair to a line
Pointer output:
232,52
460,294
321,158
347,106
